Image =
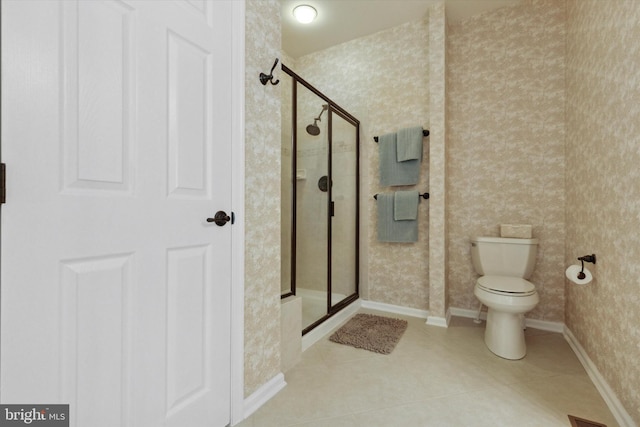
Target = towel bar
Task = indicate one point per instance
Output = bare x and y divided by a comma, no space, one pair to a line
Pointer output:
425,132
423,195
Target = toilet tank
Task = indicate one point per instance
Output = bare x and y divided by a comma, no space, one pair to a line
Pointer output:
500,256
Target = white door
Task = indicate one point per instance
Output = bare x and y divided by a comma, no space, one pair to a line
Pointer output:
116,130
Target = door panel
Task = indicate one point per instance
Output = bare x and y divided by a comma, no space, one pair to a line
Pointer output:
189,67
116,129
98,96
187,323
96,295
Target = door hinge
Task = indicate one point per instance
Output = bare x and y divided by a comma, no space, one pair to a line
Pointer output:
3,183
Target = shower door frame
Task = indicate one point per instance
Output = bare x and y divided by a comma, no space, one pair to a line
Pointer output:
332,109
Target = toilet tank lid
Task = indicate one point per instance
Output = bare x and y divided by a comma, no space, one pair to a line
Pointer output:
508,240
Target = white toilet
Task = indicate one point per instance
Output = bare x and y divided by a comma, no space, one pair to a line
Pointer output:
504,264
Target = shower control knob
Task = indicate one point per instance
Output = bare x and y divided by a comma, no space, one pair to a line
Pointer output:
221,218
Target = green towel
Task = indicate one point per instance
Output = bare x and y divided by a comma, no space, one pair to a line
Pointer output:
393,172
390,230
409,144
405,205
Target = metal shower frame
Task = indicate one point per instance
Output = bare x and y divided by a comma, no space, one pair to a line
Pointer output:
333,108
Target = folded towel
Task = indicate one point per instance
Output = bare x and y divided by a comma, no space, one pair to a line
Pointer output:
390,230
409,144
393,172
405,205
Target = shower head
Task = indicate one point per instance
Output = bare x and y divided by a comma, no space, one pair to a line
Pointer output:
313,129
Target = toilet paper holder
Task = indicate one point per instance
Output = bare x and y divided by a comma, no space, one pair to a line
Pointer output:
586,258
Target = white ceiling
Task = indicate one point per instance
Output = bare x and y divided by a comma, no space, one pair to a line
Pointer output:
339,21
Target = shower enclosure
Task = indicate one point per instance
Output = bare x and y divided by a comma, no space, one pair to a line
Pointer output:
320,194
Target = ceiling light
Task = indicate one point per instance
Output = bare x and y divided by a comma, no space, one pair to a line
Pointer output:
305,13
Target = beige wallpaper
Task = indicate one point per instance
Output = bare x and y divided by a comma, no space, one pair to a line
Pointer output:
438,293
262,182
383,81
603,187
506,162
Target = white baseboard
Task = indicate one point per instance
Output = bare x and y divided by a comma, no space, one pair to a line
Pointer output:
615,406
464,312
317,333
545,325
263,394
397,309
442,322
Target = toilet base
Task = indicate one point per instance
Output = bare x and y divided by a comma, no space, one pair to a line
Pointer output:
504,335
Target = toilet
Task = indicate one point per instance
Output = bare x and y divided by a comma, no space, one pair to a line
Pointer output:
504,264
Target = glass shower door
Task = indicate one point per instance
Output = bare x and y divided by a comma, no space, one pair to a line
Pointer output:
320,199
312,206
344,197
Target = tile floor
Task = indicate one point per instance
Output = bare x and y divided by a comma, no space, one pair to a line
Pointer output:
436,377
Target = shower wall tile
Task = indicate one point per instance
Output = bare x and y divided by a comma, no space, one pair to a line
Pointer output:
262,188
505,124
383,80
603,187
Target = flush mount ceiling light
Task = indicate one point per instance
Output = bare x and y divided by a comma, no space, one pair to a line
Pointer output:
305,13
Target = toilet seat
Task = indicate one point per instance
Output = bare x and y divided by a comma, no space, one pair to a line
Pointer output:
508,286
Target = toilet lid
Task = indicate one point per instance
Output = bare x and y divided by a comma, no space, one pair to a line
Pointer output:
511,285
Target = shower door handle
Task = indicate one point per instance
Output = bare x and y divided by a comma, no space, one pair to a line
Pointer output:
332,211
221,218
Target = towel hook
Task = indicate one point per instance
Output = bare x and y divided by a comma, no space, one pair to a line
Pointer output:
269,78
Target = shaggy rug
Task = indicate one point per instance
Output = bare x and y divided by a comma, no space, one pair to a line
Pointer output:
370,332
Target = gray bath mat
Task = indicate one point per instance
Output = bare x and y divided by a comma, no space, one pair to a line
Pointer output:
370,332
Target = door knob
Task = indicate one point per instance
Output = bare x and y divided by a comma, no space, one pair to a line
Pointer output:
221,218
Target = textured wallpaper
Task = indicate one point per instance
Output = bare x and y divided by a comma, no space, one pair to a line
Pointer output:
383,81
438,293
603,187
506,161
262,182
